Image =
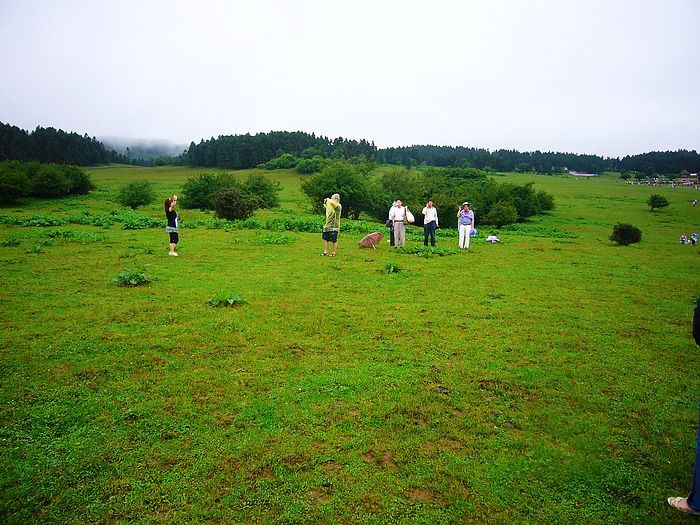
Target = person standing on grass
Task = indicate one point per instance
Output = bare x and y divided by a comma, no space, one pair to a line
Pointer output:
171,228
332,225
465,223
397,216
390,225
691,504
430,222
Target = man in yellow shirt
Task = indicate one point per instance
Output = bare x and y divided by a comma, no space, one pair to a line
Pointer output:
332,225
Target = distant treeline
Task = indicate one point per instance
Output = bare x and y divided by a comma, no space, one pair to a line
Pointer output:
662,162
249,151
53,146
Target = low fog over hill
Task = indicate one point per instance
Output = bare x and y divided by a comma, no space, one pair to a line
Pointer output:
143,148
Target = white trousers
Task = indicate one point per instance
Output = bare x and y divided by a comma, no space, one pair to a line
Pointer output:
464,231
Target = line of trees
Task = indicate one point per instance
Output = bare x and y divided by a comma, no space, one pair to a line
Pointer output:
661,162
249,151
494,203
51,145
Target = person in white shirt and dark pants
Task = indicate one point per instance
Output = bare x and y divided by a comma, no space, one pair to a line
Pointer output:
430,223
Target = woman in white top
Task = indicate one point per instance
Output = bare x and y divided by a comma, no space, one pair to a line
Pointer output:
430,222
397,215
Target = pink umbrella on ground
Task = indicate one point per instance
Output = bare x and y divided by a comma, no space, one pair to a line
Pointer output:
370,240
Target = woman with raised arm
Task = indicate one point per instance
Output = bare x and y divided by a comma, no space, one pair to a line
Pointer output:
171,228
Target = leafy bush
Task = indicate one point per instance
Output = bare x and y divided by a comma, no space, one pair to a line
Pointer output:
339,177
81,183
129,277
625,234
225,299
657,201
11,241
198,190
282,162
14,183
235,203
135,194
501,213
50,182
312,165
392,268
265,189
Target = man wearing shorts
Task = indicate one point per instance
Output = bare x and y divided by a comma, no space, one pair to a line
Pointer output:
332,225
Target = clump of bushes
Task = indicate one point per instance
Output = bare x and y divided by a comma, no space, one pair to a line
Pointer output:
272,238
21,179
625,234
135,194
206,192
283,161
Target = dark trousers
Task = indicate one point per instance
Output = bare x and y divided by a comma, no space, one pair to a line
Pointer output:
391,234
429,230
694,496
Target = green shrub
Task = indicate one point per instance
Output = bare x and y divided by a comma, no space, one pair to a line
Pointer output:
625,234
135,194
129,277
197,191
343,178
392,268
50,181
265,189
657,201
502,213
81,183
14,182
282,162
226,300
11,241
312,165
235,203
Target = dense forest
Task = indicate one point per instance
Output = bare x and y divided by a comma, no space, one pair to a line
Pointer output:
53,146
248,151
661,162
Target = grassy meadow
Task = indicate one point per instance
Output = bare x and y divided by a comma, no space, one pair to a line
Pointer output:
551,378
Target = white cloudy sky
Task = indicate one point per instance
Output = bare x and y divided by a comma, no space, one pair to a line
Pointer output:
612,77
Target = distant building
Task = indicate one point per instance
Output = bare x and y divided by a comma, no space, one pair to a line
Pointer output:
580,174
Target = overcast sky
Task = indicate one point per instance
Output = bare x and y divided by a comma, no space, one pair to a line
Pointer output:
611,77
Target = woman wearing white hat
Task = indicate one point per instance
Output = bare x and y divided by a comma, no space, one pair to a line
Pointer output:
465,223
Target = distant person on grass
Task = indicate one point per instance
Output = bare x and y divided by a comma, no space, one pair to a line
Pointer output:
397,216
332,226
390,225
465,223
171,228
430,223
691,504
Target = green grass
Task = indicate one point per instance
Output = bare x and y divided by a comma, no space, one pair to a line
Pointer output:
551,378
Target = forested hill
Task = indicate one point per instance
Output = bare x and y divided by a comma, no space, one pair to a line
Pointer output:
247,151
663,162
52,145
